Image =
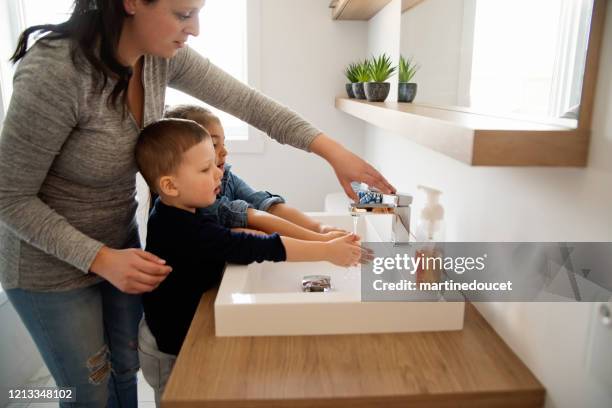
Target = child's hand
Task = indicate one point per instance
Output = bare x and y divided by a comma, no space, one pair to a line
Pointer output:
331,235
324,229
344,251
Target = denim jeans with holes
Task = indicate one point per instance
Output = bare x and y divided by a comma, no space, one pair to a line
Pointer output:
156,365
88,338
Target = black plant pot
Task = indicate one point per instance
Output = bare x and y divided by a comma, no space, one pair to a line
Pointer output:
377,91
406,91
358,90
349,91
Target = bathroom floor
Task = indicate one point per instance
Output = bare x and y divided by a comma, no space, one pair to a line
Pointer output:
44,379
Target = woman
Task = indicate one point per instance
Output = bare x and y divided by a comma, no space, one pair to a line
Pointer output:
69,254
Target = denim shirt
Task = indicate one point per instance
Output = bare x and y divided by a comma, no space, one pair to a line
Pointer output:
236,198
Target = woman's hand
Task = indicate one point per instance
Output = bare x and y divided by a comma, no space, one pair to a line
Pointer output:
349,167
130,270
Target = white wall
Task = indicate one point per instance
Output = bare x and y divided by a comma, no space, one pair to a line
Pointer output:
525,204
432,34
383,37
303,55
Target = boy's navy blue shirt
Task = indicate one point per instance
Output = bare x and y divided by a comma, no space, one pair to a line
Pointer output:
196,247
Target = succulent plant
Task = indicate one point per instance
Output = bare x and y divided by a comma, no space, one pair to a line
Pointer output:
381,68
407,69
351,72
363,71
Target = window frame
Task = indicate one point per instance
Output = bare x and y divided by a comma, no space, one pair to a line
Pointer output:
256,139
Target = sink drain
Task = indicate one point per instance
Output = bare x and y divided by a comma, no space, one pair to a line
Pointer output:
316,283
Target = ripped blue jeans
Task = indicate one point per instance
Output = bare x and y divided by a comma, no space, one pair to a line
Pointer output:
88,338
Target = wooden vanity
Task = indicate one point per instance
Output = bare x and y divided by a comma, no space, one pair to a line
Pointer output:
468,368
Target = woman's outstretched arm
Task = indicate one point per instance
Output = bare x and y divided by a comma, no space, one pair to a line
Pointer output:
348,166
197,76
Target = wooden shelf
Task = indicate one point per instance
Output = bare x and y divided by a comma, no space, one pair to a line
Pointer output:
356,9
470,367
363,9
408,4
476,139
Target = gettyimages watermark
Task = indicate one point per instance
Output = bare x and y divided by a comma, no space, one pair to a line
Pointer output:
488,272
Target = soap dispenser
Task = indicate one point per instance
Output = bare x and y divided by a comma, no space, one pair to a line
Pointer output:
430,223
430,234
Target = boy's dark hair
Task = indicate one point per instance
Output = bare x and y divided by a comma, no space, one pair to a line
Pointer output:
193,112
161,145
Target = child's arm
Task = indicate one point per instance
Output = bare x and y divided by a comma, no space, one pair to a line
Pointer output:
295,216
299,218
288,221
260,200
344,251
244,248
270,223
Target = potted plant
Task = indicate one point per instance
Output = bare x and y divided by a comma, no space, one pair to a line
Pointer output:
351,75
406,89
363,76
380,70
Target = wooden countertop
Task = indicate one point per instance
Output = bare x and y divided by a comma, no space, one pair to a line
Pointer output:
468,368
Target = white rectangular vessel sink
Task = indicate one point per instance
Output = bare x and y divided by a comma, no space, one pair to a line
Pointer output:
267,300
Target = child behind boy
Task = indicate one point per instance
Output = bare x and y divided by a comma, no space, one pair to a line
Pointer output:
177,159
239,205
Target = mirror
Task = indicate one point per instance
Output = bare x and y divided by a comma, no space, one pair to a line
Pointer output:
513,58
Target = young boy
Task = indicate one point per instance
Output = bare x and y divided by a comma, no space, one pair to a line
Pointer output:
177,159
240,206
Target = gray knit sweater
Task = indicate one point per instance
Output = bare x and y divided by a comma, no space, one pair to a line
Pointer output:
67,168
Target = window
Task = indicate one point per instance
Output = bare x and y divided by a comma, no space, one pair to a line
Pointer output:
223,39
532,52
45,12
16,15
225,26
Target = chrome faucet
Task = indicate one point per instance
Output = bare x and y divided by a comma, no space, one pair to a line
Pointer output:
397,204
401,221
